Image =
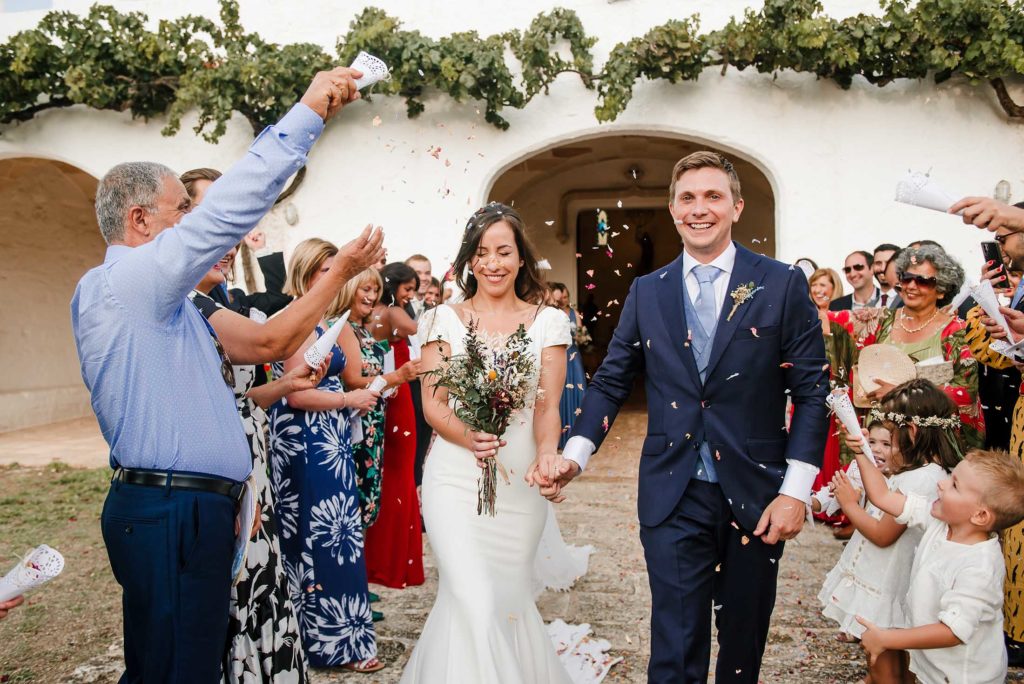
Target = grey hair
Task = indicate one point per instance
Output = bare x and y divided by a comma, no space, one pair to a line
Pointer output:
948,271
124,186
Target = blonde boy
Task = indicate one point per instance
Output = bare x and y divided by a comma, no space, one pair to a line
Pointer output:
956,587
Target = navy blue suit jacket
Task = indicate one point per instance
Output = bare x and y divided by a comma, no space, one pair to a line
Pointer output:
770,349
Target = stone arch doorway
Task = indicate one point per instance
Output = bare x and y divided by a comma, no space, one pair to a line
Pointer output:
561,189
48,239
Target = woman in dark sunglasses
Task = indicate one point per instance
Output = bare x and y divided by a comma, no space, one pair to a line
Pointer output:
925,329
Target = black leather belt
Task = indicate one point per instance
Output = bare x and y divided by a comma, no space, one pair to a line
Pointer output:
201,483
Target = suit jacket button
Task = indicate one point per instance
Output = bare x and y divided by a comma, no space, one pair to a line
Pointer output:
705,403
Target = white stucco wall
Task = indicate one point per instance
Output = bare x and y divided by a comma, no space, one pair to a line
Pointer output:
833,157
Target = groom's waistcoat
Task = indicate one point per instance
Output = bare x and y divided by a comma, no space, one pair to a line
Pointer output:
765,349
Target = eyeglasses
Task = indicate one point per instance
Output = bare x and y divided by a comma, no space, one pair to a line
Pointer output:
924,282
856,267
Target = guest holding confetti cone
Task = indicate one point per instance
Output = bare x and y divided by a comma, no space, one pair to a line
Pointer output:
263,633
316,497
131,320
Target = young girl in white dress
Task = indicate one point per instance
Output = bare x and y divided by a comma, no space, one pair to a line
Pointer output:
871,577
484,626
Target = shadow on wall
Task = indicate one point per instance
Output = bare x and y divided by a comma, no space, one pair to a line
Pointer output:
48,239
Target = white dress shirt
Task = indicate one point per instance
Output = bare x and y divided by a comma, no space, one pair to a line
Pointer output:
799,479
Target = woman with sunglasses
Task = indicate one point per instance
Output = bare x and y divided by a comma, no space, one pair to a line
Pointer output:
924,328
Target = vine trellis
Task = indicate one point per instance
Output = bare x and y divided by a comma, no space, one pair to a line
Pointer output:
110,60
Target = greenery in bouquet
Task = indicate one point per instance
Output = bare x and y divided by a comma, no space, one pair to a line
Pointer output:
487,385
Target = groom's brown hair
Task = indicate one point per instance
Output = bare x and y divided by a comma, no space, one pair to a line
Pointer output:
705,159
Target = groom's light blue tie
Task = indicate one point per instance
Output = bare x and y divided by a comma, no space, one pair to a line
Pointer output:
707,314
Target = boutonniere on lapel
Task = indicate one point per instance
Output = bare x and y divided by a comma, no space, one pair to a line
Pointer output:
741,295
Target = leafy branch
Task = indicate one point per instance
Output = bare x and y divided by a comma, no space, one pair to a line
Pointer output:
110,60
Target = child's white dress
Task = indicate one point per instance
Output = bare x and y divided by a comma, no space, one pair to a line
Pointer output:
871,581
961,586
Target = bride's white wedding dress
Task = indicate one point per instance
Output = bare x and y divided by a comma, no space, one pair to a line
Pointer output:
484,626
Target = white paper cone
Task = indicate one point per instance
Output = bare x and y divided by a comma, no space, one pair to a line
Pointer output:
40,566
374,69
919,190
414,348
378,384
966,291
355,422
986,297
317,353
389,367
839,401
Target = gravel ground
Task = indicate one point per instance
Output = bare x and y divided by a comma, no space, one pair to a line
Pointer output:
613,597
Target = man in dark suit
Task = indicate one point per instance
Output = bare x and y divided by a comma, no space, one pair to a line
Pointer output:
272,299
887,294
722,337
857,269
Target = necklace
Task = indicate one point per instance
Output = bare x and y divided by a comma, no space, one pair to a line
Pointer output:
911,331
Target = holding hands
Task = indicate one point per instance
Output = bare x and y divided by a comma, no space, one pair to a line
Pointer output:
550,473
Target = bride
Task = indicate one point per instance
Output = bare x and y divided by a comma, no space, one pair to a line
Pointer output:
484,626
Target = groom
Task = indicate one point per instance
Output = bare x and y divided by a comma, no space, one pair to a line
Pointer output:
722,336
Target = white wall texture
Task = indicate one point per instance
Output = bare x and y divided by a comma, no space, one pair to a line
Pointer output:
832,156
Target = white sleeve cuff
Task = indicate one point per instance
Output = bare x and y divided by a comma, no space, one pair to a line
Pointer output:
579,450
799,480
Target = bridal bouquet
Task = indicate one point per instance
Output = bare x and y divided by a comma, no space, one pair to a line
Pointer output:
489,384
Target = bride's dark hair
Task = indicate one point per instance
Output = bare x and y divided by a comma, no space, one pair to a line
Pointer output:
529,286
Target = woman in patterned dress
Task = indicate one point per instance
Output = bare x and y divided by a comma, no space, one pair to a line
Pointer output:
360,296
842,355
923,329
1012,539
316,498
263,644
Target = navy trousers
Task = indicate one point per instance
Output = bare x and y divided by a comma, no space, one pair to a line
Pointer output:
171,552
700,563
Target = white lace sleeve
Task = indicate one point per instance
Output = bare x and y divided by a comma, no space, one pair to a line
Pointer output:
432,325
557,331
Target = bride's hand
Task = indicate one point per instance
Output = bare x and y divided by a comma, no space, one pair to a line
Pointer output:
549,488
484,446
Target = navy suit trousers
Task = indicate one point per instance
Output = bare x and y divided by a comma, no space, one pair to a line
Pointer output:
171,552
701,562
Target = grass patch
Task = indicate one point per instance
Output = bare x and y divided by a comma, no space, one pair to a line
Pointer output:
78,615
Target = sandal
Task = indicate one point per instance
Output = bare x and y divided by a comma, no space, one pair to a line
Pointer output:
364,666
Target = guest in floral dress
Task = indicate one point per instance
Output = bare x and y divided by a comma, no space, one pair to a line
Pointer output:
263,632
317,500
360,296
923,329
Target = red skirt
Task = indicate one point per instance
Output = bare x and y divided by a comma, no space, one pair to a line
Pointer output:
829,466
394,543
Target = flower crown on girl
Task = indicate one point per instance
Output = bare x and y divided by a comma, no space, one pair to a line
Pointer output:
950,423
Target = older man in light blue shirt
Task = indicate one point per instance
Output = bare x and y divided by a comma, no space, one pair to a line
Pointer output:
160,394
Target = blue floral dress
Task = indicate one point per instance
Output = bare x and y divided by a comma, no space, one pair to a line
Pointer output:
317,505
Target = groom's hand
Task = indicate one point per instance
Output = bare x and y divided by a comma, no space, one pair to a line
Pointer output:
783,519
